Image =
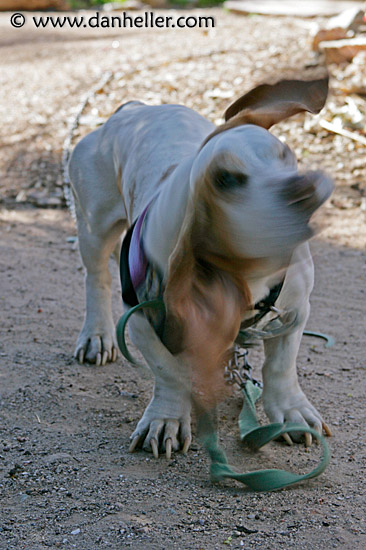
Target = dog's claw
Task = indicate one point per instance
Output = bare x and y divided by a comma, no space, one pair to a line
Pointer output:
134,444
105,358
114,355
186,444
80,356
327,429
168,448
308,439
288,439
154,447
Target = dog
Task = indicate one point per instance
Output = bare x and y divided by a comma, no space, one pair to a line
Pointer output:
223,219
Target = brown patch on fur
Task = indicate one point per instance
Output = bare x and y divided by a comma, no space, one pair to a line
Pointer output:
122,105
132,198
119,180
167,173
173,334
206,293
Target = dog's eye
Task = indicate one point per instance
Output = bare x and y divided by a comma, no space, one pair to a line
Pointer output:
227,181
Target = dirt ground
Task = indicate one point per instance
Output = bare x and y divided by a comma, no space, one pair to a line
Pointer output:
66,478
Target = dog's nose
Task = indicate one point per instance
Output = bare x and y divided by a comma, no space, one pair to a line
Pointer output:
298,190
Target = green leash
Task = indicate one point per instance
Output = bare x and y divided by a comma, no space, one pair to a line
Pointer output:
256,437
329,339
122,323
250,432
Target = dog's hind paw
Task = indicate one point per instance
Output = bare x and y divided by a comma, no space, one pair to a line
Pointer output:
96,348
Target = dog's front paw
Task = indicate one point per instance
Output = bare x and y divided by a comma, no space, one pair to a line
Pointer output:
97,345
165,425
293,406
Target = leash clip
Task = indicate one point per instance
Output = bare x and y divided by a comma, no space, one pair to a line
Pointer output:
279,312
238,370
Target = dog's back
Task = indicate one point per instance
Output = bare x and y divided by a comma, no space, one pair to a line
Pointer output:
135,151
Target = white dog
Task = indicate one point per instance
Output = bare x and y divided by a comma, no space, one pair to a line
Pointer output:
222,219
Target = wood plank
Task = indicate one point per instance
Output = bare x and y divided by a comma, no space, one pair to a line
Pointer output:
342,51
300,8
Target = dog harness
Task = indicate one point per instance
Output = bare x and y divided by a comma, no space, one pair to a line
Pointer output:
141,280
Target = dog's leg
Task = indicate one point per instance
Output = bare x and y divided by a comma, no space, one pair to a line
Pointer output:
166,421
283,399
97,342
101,219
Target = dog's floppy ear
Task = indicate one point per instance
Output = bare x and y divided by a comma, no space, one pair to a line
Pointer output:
268,104
205,298
203,320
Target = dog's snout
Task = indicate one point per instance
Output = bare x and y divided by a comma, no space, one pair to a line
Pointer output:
306,192
298,188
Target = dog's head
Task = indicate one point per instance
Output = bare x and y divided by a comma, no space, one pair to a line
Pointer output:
265,203
248,204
